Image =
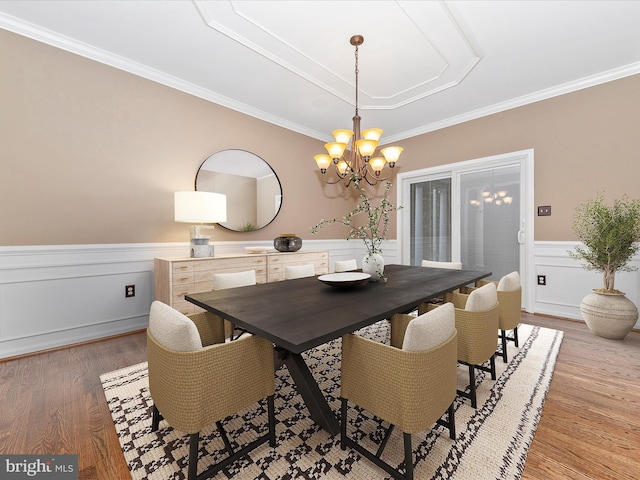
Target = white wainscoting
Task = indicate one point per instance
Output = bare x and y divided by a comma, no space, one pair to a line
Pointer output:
567,282
52,296
60,295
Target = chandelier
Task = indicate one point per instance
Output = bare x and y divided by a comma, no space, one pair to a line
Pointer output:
359,161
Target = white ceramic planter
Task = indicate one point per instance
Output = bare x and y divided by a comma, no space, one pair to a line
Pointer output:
373,265
607,315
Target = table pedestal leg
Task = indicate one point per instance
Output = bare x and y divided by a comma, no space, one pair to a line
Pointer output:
308,388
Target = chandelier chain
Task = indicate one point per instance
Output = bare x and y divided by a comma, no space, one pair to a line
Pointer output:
356,72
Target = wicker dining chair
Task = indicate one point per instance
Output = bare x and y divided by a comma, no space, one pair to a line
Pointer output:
447,265
345,265
510,299
443,265
292,272
189,369
477,325
410,384
223,281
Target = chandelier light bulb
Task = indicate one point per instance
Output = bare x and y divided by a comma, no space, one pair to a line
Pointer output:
342,135
391,154
366,147
323,160
335,149
372,134
377,164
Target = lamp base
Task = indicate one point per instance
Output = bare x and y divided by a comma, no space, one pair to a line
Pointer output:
200,248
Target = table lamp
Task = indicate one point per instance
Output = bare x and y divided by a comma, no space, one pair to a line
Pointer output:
200,208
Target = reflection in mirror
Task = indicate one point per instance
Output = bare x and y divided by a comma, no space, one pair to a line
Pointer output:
254,193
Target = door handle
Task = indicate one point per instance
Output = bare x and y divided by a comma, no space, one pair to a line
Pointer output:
520,236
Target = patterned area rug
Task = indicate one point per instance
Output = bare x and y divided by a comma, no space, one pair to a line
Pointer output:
492,441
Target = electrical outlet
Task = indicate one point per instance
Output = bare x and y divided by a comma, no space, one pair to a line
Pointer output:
129,291
542,279
544,211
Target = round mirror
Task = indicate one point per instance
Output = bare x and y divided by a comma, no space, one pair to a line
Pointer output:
253,190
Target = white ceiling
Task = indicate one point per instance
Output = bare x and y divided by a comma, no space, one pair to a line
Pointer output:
424,65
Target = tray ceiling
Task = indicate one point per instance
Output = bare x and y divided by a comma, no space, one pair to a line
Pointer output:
424,65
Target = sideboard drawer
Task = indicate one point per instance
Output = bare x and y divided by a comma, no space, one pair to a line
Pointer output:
182,267
182,278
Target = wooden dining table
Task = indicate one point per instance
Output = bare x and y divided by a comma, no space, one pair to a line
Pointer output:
297,315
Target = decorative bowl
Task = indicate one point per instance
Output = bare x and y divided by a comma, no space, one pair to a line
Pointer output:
344,279
258,249
287,242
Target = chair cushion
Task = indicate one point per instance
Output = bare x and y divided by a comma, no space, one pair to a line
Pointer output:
509,282
482,298
345,265
172,329
222,281
430,329
299,271
448,265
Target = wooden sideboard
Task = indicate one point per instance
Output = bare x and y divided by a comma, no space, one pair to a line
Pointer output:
176,277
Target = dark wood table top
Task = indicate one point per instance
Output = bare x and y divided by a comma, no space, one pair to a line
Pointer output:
301,314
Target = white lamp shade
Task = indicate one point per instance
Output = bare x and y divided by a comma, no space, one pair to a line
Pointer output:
200,207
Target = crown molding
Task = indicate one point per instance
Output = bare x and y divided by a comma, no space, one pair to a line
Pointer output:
605,77
54,39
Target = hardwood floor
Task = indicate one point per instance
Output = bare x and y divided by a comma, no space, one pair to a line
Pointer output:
53,403
590,426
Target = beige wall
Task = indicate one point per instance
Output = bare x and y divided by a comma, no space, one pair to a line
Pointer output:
584,142
91,154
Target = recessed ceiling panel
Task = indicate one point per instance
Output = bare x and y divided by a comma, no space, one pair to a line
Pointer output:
411,49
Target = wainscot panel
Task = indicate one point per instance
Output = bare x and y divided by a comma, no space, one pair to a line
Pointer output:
52,296
567,282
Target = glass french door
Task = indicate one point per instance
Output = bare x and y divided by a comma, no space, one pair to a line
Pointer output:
489,208
431,221
476,212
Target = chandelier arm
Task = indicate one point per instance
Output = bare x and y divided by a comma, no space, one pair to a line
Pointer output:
329,182
366,177
383,179
376,178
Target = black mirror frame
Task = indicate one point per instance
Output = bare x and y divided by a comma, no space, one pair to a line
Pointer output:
258,158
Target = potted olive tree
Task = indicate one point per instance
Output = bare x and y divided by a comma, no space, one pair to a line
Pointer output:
609,236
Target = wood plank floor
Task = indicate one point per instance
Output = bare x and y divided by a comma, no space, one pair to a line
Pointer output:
590,427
